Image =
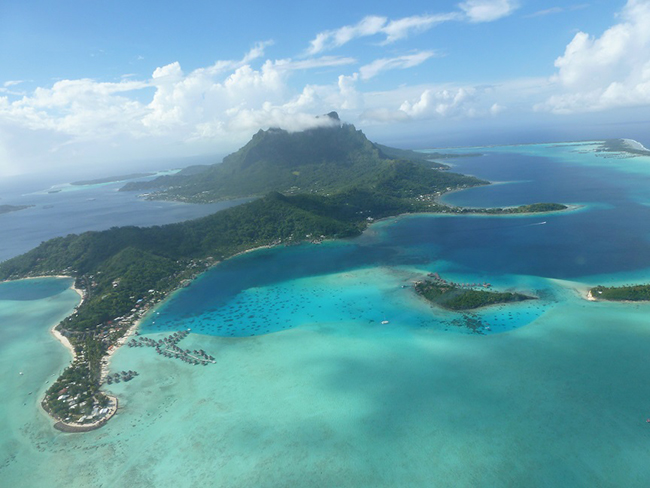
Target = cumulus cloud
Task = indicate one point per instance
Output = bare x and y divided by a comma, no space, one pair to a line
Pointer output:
230,98
400,62
613,70
80,107
496,109
393,30
488,10
442,103
432,103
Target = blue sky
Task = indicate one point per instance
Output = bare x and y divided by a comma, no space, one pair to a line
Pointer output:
85,85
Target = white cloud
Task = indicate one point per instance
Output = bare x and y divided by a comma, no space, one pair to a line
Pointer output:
7,87
349,97
256,51
400,62
80,107
548,11
441,103
401,28
373,25
488,10
171,71
322,62
407,104
558,10
368,26
394,30
613,70
496,109
229,99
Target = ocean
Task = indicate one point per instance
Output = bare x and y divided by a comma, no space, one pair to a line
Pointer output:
60,209
331,371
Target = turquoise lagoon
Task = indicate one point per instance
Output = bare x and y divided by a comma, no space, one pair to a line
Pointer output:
312,389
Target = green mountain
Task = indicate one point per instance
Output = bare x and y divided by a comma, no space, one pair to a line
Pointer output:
320,160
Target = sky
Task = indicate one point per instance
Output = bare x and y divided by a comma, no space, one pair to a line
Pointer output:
97,88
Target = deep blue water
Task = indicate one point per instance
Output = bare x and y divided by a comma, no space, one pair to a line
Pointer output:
278,288
531,179
77,209
611,235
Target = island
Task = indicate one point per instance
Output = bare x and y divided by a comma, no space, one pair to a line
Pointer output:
629,293
629,146
325,183
13,208
112,179
463,296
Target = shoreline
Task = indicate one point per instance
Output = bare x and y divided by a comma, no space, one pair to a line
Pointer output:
40,277
105,361
570,208
73,427
60,337
482,211
635,145
64,341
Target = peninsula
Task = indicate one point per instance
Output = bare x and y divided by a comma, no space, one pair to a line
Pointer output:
12,208
324,183
111,179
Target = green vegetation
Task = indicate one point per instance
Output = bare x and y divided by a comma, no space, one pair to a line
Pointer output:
13,208
522,209
632,293
334,182
317,161
455,297
537,208
533,208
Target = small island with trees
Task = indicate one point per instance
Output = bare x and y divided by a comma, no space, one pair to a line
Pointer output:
629,293
463,296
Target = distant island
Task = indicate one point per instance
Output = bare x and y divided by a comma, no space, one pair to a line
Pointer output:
463,296
324,183
623,145
112,179
631,293
13,208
